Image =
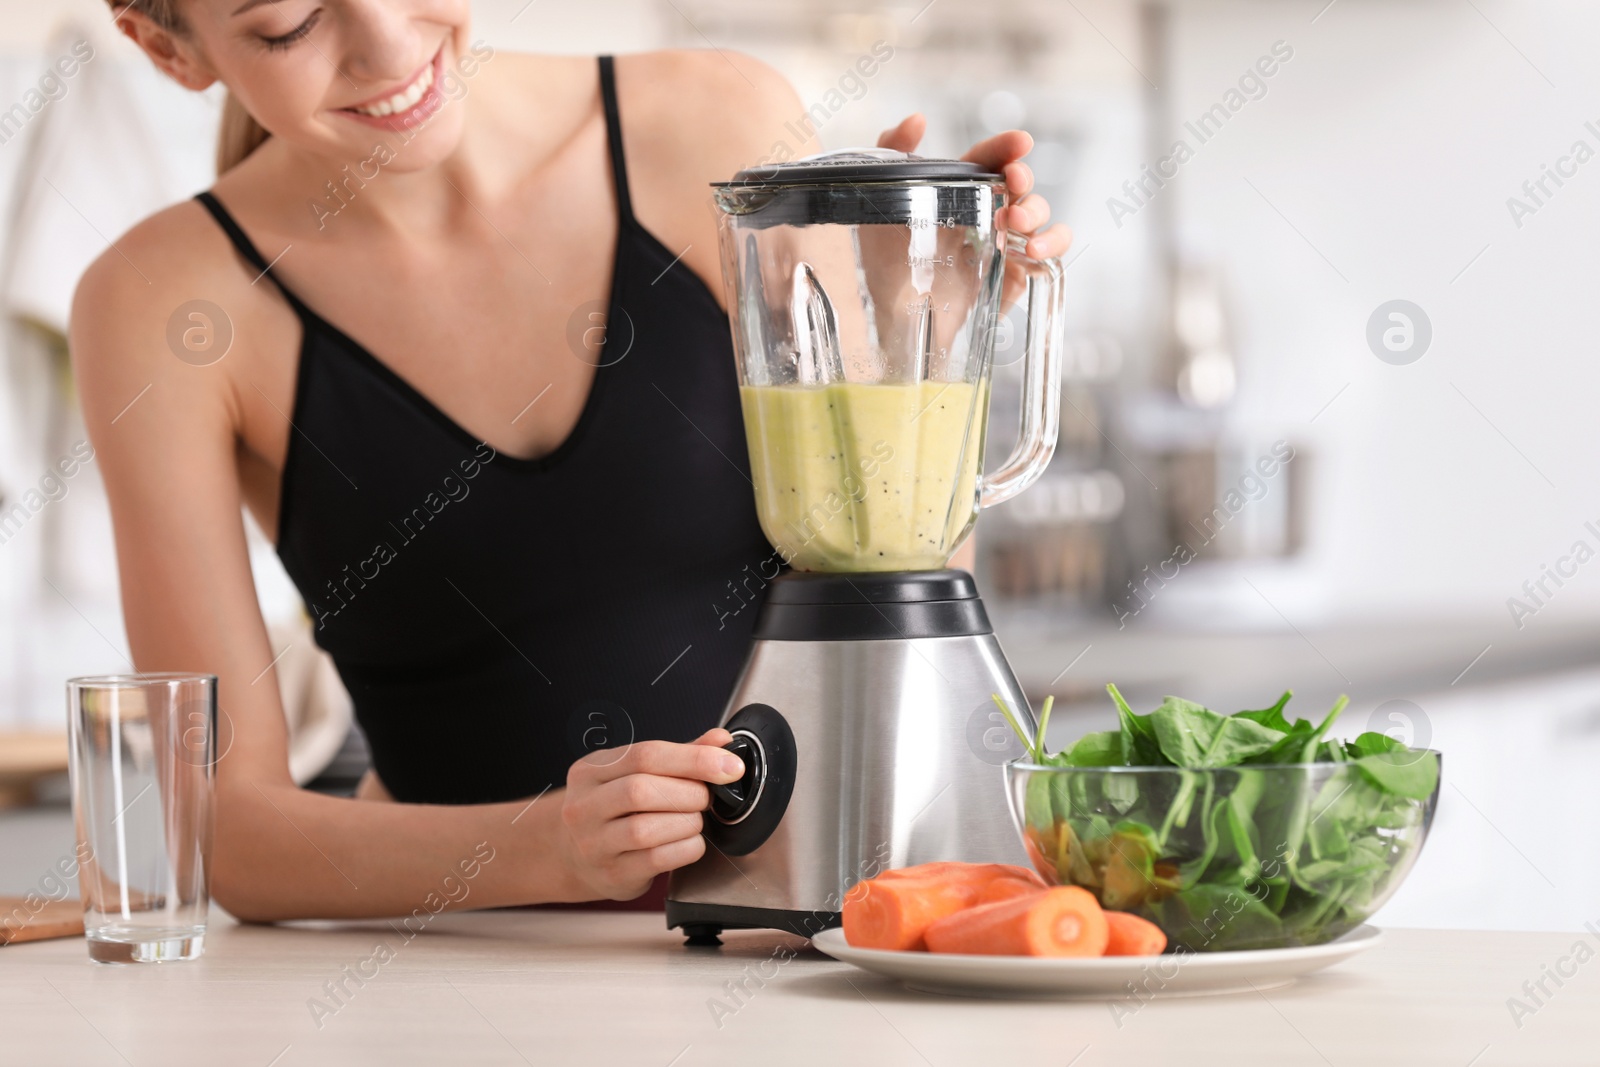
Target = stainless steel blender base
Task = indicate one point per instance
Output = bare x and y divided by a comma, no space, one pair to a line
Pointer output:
898,750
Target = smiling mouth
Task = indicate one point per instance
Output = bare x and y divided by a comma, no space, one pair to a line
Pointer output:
400,102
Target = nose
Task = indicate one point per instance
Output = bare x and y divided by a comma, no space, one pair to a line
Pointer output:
381,42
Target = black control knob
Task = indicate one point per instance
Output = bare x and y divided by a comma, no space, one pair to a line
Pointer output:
732,802
745,813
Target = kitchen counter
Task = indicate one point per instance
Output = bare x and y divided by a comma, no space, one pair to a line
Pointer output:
1248,666
530,987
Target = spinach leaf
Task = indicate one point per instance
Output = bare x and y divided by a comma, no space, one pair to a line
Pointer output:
1035,752
1139,746
1237,740
1272,718
1060,795
1331,752
1044,721
1206,918
1184,730
1240,809
1178,809
1371,743
1121,792
1194,736
1288,747
1037,809
1307,754
1406,774
1096,750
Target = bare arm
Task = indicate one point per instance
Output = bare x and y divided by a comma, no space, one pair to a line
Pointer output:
166,433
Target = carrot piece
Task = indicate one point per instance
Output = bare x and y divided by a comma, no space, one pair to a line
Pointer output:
922,870
1024,874
1133,936
1007,889
892,910
978,871
893,913
1063,921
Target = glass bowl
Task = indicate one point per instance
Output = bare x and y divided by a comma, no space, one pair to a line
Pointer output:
1245,857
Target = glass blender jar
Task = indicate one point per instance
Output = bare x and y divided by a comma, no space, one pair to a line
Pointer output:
865,288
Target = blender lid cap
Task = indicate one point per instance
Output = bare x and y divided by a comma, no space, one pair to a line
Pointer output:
850,165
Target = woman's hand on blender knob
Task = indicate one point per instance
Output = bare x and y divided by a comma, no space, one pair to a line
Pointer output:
631,813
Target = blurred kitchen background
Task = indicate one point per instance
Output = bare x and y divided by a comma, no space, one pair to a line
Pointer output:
1252,491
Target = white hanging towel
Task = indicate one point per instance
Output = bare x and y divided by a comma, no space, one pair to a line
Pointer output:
94,165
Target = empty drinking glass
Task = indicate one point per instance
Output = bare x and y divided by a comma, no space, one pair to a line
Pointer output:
143,762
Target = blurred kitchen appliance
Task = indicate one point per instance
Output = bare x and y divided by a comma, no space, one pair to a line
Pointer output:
864,288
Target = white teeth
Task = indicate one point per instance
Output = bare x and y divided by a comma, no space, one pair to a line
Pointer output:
402,102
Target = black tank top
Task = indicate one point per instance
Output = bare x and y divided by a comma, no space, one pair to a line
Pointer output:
493,618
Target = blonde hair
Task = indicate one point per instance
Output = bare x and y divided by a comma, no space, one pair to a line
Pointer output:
240,134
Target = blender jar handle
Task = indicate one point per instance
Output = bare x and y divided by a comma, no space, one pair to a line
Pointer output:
1041,377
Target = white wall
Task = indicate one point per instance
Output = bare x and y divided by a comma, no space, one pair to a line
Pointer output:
1391,141
25,25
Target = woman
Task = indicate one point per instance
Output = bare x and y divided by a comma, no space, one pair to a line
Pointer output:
516,530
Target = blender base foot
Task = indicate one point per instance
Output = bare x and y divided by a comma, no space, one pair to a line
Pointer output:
702,935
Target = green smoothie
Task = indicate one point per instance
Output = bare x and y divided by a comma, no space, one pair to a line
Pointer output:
866,477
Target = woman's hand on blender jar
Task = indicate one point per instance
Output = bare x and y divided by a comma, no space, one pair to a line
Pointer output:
1002,154
631,813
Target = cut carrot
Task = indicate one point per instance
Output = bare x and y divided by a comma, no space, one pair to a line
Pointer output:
892,913
923,870
892,910
1064,921
1133,936
1025,874
1007,889
979,871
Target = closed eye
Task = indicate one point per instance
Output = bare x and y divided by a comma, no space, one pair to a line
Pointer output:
299,33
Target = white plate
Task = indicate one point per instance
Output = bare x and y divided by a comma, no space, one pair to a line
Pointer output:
1100,978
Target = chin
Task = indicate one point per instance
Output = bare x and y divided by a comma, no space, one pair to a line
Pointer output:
425,146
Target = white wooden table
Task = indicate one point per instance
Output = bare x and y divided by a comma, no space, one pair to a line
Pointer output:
527,987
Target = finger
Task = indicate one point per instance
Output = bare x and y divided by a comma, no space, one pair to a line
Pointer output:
716,737
643,792
1050,243
1019,179
704,763
906,136
1028,214
635,833
1002,148
647,863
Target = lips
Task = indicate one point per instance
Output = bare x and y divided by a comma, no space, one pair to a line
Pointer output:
406,106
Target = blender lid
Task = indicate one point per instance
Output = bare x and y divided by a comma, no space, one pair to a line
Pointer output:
852,165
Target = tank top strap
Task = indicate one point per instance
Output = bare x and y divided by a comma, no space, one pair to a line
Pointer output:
619,165
246,247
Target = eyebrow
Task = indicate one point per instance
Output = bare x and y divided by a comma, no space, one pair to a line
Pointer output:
249,4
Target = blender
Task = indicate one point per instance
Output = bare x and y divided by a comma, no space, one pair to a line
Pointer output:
865,290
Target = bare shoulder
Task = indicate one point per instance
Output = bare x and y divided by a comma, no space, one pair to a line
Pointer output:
710,111
695,82
131,306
